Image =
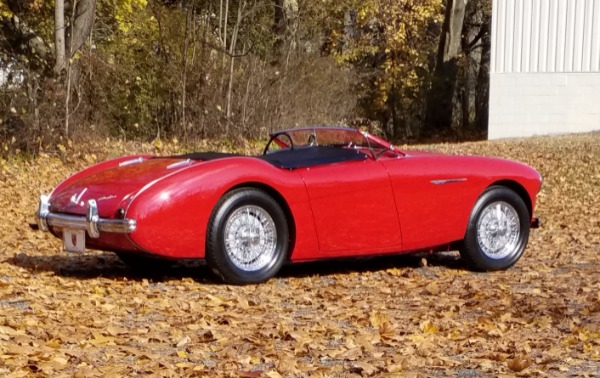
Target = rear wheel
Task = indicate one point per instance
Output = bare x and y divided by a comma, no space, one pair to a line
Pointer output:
497,232
247,238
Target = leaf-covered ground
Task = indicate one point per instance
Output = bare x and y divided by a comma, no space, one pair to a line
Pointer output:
88,315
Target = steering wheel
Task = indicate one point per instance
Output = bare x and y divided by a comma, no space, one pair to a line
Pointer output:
279,142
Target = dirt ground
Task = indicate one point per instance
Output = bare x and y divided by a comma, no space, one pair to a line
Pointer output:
88,315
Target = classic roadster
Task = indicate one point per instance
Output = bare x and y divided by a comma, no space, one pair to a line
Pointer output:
314,193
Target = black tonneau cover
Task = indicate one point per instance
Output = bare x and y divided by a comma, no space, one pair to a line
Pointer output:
302,157
312,156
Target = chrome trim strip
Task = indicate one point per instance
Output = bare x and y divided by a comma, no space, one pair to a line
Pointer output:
448,181
91,222
179,163
132,161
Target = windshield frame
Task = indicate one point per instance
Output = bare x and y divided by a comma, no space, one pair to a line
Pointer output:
336,136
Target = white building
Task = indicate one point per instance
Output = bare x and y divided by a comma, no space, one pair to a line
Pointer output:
545,67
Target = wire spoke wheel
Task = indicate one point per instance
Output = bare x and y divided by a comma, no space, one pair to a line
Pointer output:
250,238
247,238
498,230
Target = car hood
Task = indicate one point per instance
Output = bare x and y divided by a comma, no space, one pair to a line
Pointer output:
113,187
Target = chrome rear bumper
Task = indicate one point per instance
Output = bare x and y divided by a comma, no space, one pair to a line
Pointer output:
91,222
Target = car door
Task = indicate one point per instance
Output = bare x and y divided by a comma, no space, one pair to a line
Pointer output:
434,195
353,207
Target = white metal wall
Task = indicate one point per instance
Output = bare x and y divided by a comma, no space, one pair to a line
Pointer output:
546,36
545,67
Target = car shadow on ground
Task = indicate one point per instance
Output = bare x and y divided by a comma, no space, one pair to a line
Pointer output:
371,264
108,265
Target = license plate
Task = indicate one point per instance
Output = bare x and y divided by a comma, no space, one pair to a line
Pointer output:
74,240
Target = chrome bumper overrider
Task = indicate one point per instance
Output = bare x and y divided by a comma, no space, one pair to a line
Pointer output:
91,223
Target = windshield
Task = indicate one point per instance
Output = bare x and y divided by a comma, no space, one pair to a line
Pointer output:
338,137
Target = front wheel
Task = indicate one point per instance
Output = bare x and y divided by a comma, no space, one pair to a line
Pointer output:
497,232
247,238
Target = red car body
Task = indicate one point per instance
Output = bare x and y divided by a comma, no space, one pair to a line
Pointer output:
390,201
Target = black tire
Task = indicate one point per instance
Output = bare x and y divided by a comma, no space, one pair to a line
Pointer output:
144,263
247,221
494,240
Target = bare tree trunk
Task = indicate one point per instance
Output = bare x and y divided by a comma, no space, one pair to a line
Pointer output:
161,39
90,45
482,91
465,108
33,90
465,87
186,45
220,31
59,35
207,26
67,100
223,21
440,102
69,72
81,24
279,27
285,20
246,96
232,47
195,27
228,112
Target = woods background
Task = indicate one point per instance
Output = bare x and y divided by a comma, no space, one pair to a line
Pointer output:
222,71
194,69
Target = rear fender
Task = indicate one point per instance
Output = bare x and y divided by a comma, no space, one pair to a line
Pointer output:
172,214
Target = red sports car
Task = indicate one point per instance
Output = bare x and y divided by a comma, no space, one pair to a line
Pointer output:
314,193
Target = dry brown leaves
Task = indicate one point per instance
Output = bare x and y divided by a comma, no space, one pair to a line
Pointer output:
72,315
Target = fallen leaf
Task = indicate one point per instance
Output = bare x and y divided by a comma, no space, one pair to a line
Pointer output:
519,363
